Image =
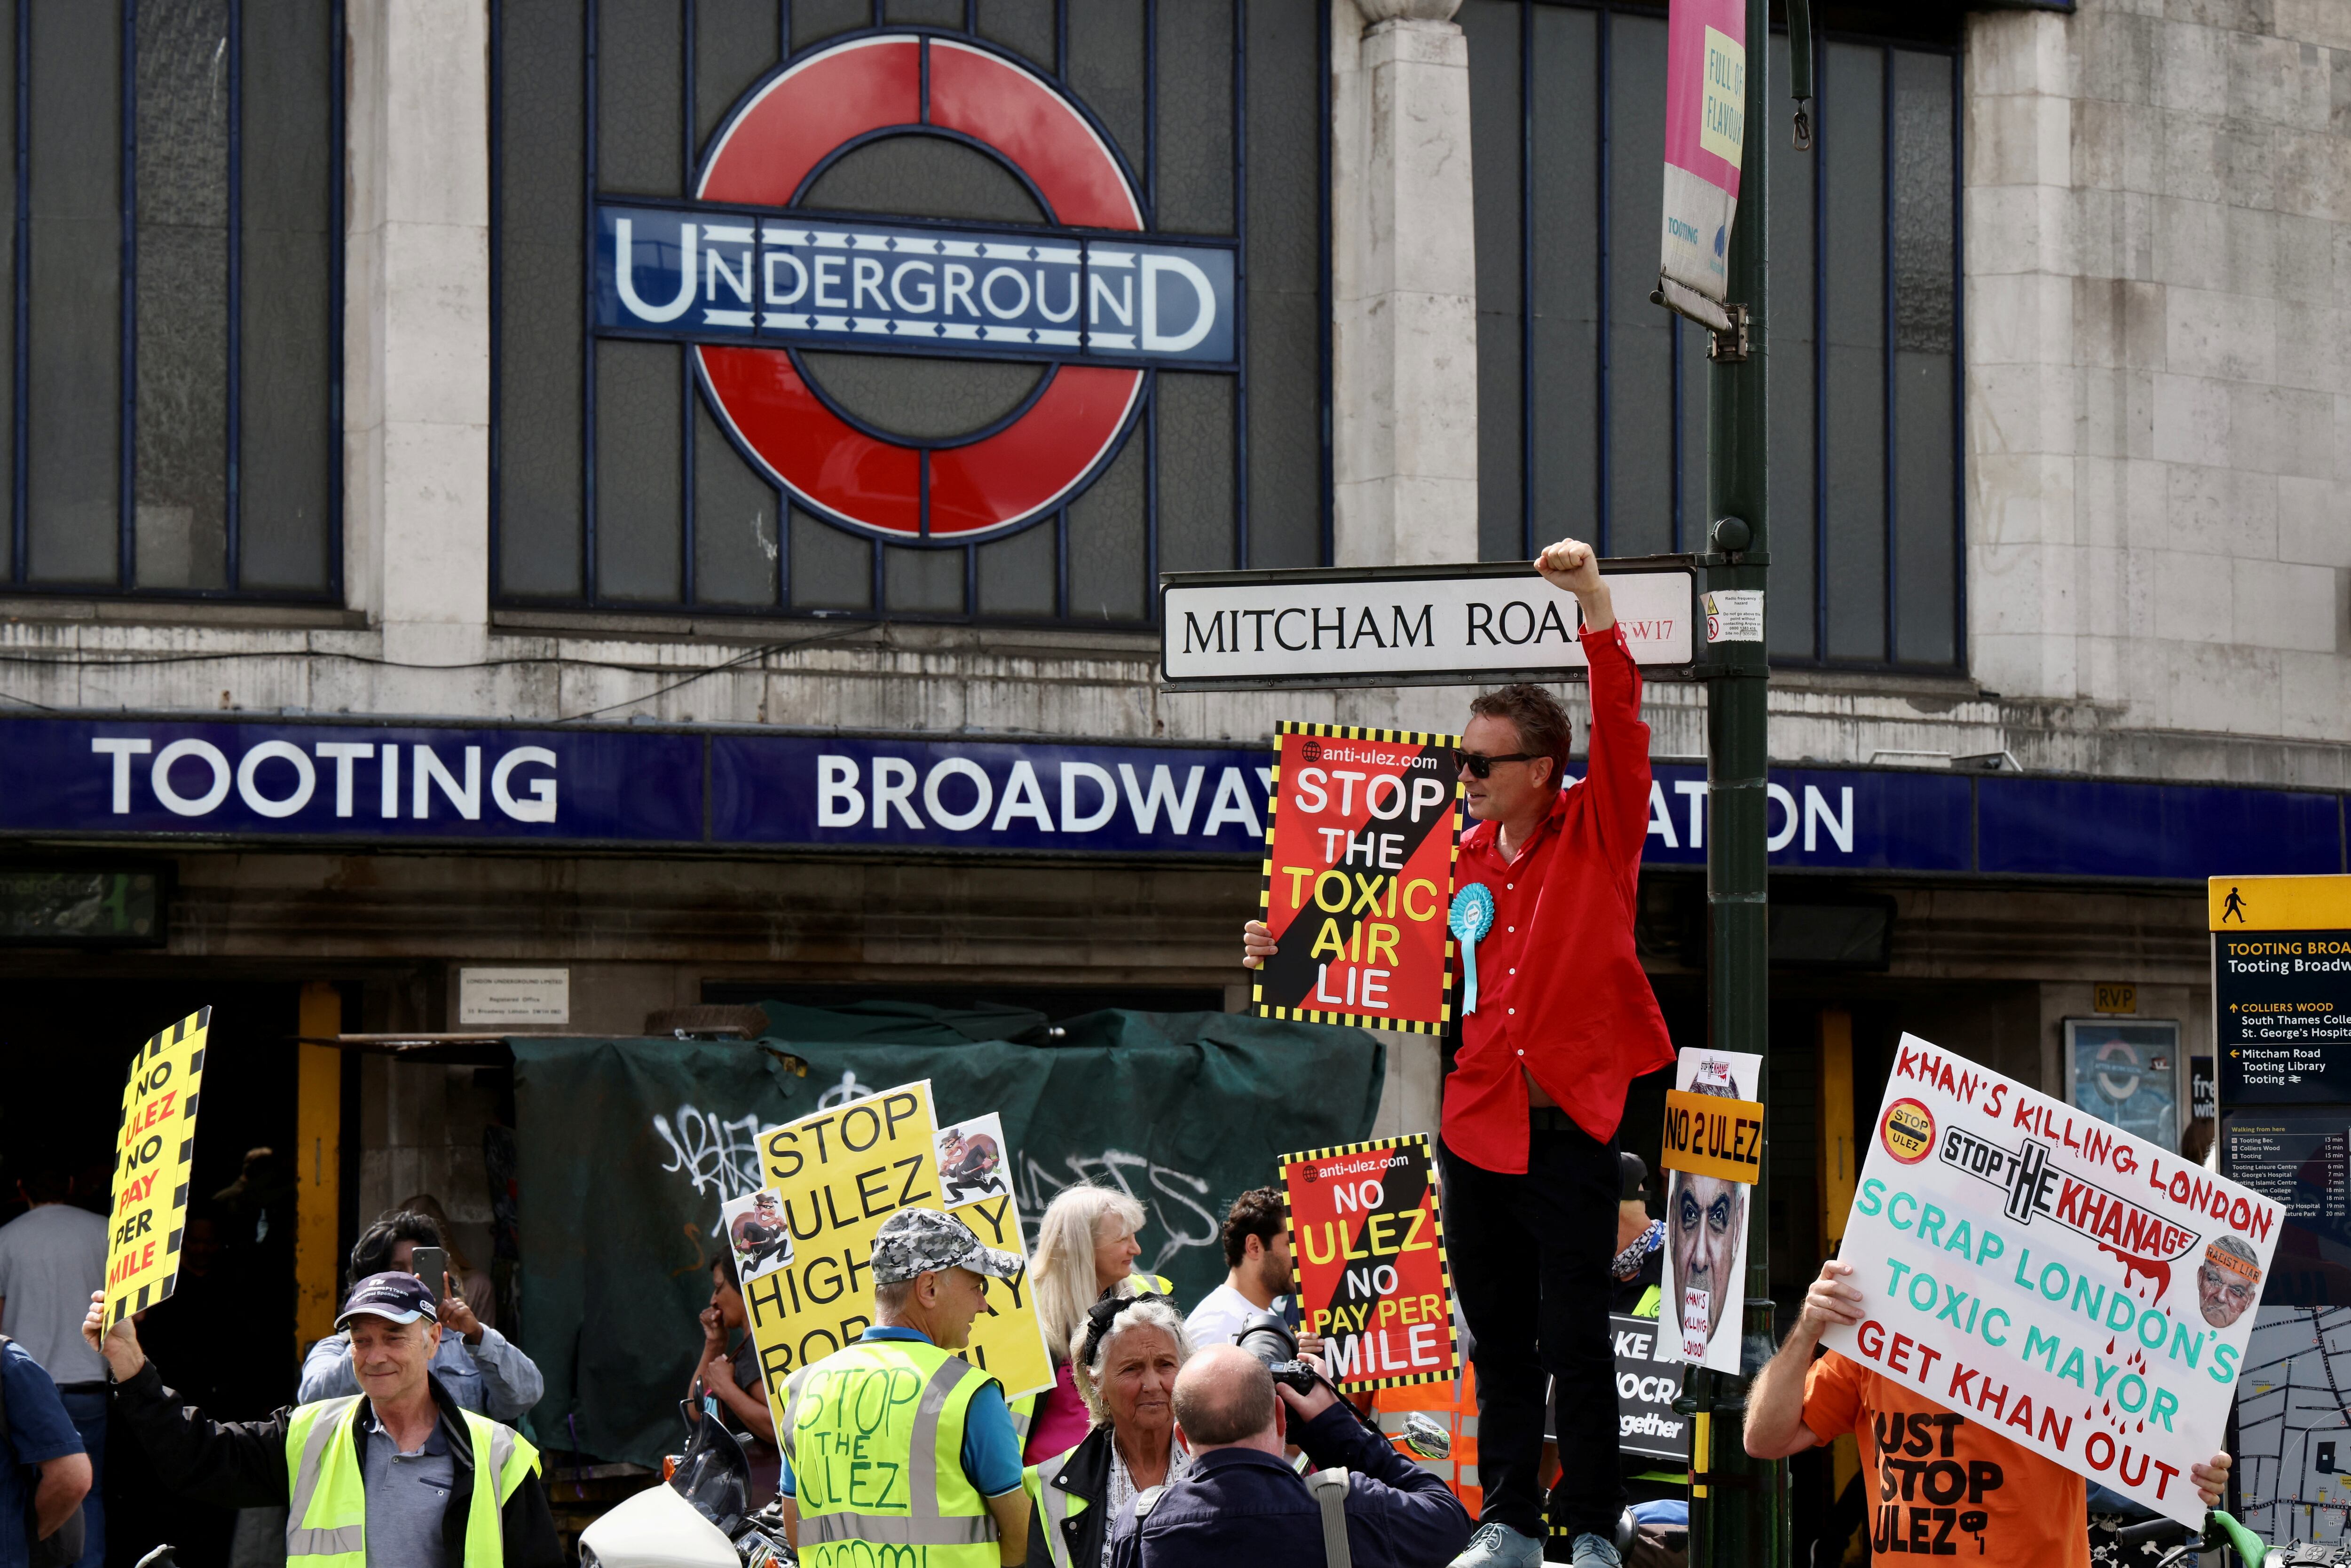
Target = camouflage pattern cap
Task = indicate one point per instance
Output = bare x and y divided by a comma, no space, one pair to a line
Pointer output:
923,1240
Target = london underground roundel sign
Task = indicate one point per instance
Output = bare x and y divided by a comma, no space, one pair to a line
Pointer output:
748,275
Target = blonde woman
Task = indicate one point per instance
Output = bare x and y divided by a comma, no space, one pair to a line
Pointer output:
1085,1245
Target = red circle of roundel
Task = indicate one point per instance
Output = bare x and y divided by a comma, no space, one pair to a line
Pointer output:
764,156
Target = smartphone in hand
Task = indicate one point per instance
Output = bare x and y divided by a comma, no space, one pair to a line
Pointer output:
431,1264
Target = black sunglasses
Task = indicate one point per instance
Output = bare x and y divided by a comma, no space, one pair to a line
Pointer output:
1482,766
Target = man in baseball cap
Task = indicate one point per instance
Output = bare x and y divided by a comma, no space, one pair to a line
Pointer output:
400,1474
930,1280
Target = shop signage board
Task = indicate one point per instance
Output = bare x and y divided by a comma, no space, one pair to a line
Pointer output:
1706,115
2083,1292
154,1150
1714,1146
743,272
1369,1245
237,779
1350,626
1361,828
837,1174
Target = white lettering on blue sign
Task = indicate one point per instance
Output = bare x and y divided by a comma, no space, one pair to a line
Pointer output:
956,795
1816,817
192,778
717,276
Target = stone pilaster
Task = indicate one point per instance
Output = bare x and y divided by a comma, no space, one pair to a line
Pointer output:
1405,279
417,327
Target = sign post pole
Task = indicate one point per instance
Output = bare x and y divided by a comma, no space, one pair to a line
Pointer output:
1739,1512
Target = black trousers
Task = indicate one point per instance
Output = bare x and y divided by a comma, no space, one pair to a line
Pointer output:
1530,1255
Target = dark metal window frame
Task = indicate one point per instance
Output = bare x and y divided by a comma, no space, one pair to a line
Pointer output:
1142,423
127,463
1689,523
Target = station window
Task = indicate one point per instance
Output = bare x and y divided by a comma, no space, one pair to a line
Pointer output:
169,423
1592,400
658,465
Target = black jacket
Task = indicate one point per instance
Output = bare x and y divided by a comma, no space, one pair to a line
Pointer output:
1086,1474
242,1464
1241,1506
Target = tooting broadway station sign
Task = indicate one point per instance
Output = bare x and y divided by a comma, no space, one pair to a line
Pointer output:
747,275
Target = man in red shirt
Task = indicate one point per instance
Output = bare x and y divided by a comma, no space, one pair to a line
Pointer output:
1565,1021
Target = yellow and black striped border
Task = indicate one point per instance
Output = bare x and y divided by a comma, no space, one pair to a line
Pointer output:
198,1023
1436,1218
1265,892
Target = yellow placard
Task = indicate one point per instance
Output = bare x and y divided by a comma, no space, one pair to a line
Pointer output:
153,1147
838,1174
1712,1135
2114,996
2278,903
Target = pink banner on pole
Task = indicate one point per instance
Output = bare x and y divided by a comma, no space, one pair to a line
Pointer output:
1706,115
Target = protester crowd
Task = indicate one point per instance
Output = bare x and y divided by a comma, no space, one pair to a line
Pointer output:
1162,1442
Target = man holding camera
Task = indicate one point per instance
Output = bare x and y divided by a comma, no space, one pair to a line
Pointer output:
1240,1502
1565,1021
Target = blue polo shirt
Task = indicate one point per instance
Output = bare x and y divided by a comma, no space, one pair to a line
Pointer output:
39,1430
991,1451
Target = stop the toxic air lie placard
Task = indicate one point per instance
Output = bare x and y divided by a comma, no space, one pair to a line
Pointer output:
154,1146
1360,839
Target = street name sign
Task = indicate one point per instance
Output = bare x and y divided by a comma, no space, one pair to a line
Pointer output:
1437,625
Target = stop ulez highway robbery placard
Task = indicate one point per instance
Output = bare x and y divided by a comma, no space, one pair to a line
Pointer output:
837,1175
1360,838
2081,1291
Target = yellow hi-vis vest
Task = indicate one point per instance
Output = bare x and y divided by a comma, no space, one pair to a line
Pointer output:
1053,1507
874,1436
326,1515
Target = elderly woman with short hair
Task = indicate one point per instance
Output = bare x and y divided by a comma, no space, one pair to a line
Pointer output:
1126,1352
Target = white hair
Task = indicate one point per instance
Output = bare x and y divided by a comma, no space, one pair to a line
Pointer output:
1062,1271
1154,1313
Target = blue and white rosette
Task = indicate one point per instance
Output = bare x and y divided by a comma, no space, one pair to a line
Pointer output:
1471,917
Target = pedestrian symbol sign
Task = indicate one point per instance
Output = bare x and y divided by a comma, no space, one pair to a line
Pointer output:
154,1146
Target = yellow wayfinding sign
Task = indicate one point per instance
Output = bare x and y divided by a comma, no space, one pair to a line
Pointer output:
1709,1134
152,1151
838,1175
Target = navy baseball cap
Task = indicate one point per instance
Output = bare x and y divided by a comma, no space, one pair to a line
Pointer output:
396,1298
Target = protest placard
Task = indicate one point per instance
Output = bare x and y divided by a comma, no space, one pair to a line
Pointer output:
1369,1253
971,1160
837,1175
1714,1147
1359,847
2078,1291
1647,1384
754,1224
153,1147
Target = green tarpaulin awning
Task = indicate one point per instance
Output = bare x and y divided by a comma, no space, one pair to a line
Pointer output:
628,1147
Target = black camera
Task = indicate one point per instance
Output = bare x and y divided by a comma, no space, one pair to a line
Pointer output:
1265,1336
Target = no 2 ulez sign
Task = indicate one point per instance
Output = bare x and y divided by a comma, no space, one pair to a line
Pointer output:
1411,626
